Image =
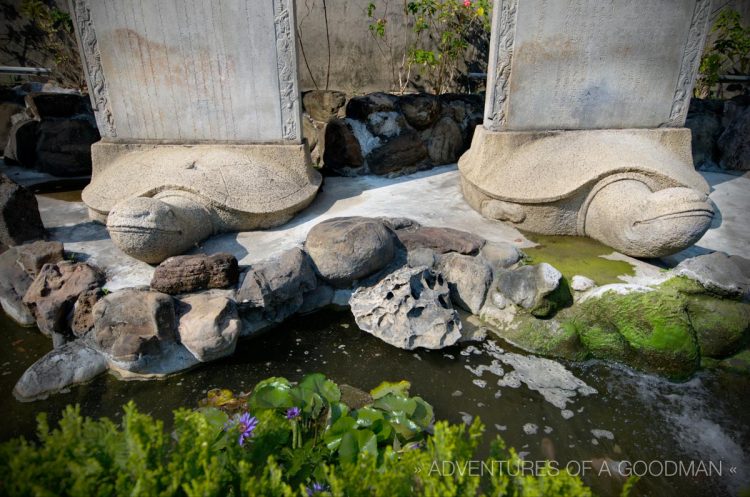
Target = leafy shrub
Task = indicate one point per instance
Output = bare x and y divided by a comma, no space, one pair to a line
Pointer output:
295,440
728,54
441,33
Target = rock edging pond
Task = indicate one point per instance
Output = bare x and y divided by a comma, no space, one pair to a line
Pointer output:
406,284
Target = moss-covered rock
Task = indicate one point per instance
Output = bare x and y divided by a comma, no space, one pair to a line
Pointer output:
546,337
721,326
739,363
648,330
666,330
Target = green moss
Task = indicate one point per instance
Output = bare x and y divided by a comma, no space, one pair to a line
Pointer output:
573,255
559,299
721,326
546,337
739,363
655,330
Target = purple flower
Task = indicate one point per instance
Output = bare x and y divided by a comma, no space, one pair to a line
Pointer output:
292,413
316,489
245,423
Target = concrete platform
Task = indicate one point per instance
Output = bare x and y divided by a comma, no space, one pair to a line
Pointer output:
430,197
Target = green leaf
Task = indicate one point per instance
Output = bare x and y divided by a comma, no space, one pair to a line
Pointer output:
271,394
356,442
324,387
367,416
423,414
391,403
401,388
334,434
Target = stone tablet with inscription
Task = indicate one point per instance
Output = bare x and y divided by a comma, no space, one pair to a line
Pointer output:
191,70
593,64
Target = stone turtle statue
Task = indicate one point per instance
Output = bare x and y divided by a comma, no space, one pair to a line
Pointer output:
161,201
634,190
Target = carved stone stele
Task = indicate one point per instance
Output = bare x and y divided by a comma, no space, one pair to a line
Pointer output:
198,106
583,133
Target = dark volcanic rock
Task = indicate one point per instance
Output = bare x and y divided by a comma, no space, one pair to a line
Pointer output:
342,150
398,153
420,110
21,145
56,288
19,214
188,273
445,142
361,107
45,105
734,143
63,146
441,240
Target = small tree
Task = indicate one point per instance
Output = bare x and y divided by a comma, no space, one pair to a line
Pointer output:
728,54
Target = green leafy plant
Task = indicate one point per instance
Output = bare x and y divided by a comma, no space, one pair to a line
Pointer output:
729,53
283,439
392,43
443,29
435,40
48,37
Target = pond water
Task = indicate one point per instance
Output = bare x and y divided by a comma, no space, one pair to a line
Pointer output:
576,413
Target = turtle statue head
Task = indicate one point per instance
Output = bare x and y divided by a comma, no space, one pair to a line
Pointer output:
154,228
628,216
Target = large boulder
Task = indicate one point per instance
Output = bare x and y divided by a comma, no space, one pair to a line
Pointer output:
68,365
63,146
188,273
45,105
445,142
52,295
7,111
420,110
18,268
133,327
343,152
441,240
469,278
347,249
409,308
734,143
402,151
19,214
208,325
386,125
361,107
323,105
274,289
21,145
501,254
719,273
705,128
535,288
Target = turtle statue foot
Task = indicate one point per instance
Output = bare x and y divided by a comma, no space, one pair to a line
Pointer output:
154,228
631,218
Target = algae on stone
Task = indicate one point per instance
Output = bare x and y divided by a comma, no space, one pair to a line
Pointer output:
655,330
573,255
666,330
